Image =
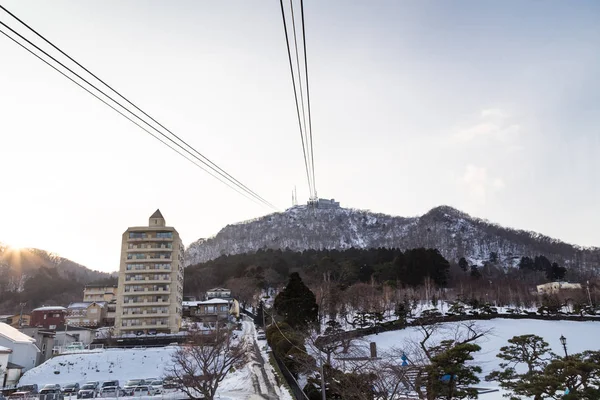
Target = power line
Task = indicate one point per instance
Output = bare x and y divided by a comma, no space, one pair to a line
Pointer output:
308,96
128,118
207,163
287,42
301,91
127,100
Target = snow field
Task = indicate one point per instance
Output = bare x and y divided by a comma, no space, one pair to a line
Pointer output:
125,364
580,336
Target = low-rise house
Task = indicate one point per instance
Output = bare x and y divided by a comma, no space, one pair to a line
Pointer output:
19,320
111,313
24,351
555,287
10,373
93,292
73,334
209,311
44,340
48,317
218,293
86,314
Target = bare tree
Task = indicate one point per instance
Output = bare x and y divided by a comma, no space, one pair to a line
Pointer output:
245,289
202,363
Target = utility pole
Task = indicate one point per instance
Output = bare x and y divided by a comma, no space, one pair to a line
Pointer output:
323,391
21,315
589,295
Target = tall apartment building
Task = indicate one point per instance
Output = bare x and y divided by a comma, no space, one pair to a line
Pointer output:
150,289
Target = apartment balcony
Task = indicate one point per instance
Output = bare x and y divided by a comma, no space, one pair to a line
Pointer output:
146,271
147,239
148,315
147,303
148,249
148,259
147,291
147,282
142,327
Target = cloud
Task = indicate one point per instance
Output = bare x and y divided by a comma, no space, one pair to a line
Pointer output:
493,113
493,125
478,184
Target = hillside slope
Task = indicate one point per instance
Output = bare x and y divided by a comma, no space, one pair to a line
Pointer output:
453,232
39,277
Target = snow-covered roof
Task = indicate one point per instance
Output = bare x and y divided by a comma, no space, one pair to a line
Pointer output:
86,304
5,350
14,335
214,301
197,303
50,308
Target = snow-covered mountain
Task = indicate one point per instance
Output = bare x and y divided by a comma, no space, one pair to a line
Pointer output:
453,232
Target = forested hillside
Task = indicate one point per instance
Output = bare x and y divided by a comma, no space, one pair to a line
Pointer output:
454,233
36,277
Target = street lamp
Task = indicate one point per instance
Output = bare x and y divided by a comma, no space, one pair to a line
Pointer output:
563,341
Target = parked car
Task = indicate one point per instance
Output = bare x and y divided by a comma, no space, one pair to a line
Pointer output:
75,346
50,386
130,385
110,389
87,391
21,396
157,385
147,381
51,392
170,384
32,389
70,388
260,335
144,390
95,383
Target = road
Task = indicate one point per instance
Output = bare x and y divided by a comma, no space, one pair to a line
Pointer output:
263,378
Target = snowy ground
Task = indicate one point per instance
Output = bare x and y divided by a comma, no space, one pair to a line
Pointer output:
580,336
254,381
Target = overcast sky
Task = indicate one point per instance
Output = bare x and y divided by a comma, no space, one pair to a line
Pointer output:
490,107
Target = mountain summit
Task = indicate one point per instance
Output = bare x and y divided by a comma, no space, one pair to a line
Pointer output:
454,233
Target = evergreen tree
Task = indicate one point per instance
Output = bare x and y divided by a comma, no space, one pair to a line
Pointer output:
463,264
259,319
450,372
475,274
556,272
402,311
541,263
526,264
297,304
533,353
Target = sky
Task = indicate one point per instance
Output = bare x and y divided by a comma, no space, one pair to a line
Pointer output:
489,107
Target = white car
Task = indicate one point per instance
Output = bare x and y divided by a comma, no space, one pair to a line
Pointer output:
144,390
157,385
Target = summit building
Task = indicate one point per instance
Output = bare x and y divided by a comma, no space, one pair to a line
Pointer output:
150,291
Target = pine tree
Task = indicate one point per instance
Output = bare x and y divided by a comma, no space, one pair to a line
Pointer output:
475,274
450,372
297,304
463,264
532,352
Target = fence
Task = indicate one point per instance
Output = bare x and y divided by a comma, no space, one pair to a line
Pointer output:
297,391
